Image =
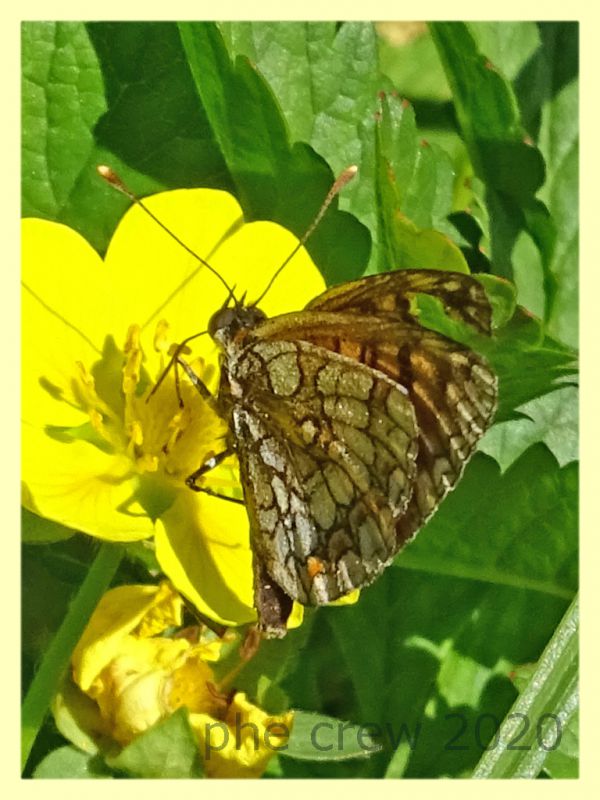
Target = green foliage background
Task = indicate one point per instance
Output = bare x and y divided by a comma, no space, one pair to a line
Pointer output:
466,138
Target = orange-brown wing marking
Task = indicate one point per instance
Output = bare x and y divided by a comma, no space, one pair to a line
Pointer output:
454,392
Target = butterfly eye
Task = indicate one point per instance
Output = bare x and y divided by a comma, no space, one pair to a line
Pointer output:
221,320
226,322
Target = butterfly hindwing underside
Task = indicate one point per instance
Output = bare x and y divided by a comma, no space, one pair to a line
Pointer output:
351,423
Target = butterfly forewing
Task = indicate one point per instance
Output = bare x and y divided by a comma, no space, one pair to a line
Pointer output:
327,451
390,296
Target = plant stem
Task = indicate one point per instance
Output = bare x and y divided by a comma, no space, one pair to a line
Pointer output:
542,710
56,658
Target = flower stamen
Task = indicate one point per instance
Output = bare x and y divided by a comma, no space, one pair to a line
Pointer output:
101,417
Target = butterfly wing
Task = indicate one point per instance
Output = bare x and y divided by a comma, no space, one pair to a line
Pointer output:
352,422
327,451
390,295
453,389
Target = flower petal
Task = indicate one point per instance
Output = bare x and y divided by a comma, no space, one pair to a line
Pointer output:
53,339
202,544
155,278
250,259
147,268
79,485
66,276
348,599
242,745
117,615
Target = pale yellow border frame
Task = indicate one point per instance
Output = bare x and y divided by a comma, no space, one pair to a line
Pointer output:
590,404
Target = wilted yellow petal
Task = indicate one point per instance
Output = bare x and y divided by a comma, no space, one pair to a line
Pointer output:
241,745
120,612
165,612
133,688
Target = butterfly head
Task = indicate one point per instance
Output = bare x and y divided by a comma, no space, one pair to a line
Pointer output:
226,324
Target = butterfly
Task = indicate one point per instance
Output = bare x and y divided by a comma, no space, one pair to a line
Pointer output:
350,420
351,423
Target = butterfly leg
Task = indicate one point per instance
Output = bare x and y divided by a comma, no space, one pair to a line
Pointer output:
195,379
211,463
212,493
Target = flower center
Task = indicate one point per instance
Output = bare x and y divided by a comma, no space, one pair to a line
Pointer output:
170,429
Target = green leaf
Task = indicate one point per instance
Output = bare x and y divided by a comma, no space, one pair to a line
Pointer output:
325,79
547,705
519,528
564,761
527,363
77,716
502,297
547,88
167,750
551,419
38,530
412,248
512,169
488,114
414,66
559,142
414,185
154,122
70,124
509,45
316,737
68,762
289,55
62,100
416,71
273,179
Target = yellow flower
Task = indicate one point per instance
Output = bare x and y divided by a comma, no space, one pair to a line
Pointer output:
97,454
241,744
136,678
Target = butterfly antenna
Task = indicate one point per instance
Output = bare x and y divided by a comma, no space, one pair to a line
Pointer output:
231,296
339,183
111,177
